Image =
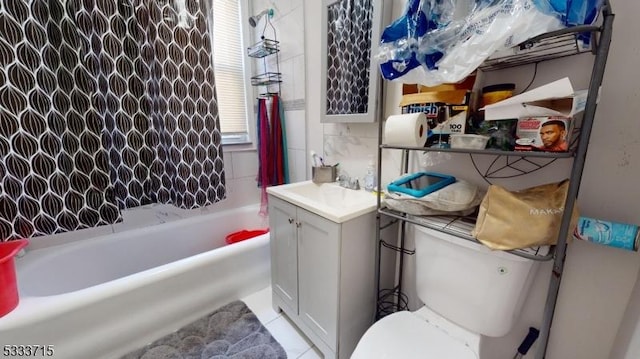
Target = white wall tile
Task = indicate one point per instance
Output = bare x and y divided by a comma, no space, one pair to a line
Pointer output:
351,152
291,162
245,164
244,191
280,7
287,85
298,77
272,63
369,130
313,55
228,165
297,165
285,7
295,122
256,6
290,32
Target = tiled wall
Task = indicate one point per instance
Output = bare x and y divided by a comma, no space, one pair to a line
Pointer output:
350,144
289,25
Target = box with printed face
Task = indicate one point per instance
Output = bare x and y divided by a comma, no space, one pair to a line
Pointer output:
544,133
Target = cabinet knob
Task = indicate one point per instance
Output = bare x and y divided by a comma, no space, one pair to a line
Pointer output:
290,220
298,224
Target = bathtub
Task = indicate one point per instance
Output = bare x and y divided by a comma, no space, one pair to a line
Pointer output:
105,296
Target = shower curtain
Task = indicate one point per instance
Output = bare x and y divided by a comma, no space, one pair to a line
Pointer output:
104,105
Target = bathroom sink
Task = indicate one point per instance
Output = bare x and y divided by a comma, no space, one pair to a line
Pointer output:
328,200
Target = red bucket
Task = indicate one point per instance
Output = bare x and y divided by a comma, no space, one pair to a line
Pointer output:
8,287
244,234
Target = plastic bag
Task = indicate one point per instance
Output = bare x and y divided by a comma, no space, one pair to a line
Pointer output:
530,217
459,198
443,41
581,12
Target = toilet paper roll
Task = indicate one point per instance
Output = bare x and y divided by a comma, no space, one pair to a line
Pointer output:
409,130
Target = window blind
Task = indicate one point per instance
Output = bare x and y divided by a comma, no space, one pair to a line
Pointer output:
229,66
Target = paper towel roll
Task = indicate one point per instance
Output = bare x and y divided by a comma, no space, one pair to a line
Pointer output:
409,129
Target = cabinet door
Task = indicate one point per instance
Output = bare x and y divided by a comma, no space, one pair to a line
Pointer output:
354,60
284,252
319,268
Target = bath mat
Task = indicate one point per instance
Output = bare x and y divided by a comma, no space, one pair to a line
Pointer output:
232,331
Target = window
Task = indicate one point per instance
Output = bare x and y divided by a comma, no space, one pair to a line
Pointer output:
231,68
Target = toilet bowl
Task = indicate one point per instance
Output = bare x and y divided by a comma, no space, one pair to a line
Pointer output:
468,292
422,334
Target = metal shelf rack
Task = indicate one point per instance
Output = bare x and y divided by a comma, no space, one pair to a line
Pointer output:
549,46
263,49
266,79
566,42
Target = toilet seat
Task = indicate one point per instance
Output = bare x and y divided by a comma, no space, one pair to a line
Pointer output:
408,336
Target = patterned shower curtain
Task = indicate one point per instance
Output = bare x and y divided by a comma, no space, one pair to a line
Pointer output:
104,105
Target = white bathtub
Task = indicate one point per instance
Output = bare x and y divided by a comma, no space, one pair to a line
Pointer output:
105,296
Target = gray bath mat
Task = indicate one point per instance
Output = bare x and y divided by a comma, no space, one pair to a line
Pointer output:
232,331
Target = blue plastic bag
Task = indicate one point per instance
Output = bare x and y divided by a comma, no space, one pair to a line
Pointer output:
443,41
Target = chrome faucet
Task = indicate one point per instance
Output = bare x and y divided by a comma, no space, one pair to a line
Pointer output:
354,183
348,182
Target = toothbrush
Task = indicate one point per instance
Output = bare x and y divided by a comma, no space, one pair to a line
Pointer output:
317,160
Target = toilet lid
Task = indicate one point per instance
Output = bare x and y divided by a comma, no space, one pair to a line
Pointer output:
405,335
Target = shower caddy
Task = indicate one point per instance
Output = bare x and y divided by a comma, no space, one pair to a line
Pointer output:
263,50
544,47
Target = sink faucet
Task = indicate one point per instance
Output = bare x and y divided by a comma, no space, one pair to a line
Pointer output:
348,182
354,183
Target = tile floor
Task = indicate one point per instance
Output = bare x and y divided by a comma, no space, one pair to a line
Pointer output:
291,338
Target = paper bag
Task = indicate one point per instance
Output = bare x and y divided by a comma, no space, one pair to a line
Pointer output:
530,217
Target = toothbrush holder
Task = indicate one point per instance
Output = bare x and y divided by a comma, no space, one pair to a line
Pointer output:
324,174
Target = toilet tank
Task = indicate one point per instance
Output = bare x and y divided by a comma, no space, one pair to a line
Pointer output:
477,288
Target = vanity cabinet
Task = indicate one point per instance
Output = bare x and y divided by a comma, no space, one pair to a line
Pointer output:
322,275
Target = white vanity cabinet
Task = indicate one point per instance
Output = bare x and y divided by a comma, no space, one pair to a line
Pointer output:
323,274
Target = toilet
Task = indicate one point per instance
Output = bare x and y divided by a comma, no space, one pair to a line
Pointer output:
468,291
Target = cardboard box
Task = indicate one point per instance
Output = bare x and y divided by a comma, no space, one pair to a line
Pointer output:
554,99
446,112
545,133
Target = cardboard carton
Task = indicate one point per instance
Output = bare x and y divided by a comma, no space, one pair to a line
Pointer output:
555,102
554,99
446,112
545,133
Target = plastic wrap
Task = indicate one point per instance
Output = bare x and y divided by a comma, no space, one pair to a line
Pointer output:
443,41
460,198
